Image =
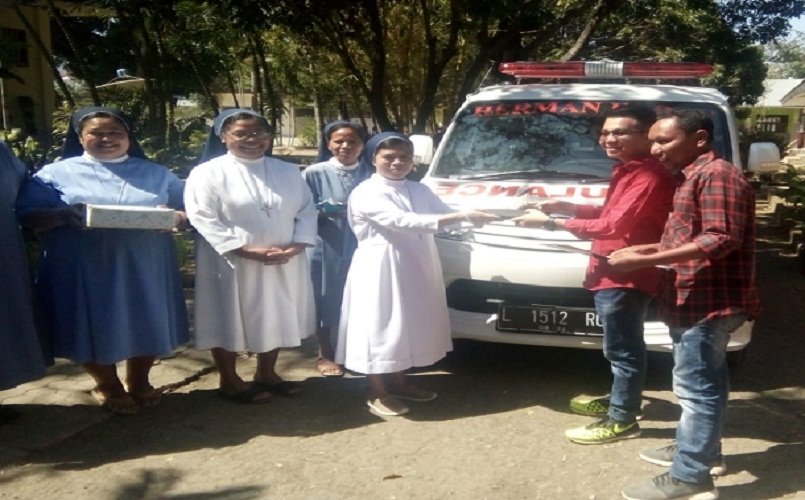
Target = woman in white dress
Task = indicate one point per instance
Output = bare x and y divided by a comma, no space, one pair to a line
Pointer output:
394,312
253,291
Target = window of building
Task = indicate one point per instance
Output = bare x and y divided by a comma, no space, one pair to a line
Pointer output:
772,123
13,47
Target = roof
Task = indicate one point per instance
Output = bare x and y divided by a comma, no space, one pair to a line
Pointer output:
783,92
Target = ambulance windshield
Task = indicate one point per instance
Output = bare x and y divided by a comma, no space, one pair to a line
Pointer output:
546,140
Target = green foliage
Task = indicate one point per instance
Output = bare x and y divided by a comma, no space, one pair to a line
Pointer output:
33,152
184,242
795,180
676,30
786,58
25,147
308,135
398,60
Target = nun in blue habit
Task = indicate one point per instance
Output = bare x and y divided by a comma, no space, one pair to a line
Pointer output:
109,295
331,181
21,357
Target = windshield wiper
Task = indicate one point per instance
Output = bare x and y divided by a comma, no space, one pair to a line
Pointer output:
534,174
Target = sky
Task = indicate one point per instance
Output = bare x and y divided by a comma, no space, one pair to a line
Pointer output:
798,24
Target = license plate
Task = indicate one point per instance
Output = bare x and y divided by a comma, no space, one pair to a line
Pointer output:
548,320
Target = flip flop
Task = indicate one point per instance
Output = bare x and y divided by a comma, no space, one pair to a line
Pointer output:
329,368
147,399
122,404
286,388
387,406
247,396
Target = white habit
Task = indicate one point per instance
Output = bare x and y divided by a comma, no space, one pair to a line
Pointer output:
243,304
394,313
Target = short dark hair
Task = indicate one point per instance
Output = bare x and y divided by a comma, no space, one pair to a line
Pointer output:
246,116
690,120
644,115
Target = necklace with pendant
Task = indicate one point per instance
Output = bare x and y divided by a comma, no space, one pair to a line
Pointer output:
105,187
260,194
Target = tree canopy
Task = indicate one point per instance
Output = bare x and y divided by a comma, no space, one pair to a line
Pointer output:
786,58
405,63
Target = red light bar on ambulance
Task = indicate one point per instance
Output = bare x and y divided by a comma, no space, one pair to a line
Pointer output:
604,69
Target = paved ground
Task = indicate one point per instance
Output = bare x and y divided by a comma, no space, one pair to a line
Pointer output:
494,432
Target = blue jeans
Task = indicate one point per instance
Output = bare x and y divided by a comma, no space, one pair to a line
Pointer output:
622,312
701,384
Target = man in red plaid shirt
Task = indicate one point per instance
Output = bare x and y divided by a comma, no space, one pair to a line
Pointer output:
708,242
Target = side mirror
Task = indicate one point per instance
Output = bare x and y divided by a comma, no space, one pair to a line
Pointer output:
763,157
423,148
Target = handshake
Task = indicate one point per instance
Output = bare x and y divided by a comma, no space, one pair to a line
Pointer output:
536,213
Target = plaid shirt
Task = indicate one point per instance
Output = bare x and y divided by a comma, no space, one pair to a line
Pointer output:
714,207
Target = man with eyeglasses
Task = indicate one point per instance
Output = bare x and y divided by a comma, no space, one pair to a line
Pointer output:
635,209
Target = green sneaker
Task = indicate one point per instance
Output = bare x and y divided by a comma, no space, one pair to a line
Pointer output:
603,431
594,406
591,406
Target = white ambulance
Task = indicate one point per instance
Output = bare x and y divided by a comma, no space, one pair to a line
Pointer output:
509,143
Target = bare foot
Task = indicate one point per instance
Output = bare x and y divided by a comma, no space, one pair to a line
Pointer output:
328,368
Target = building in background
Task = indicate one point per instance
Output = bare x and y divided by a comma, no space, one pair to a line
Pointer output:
27,96
780,111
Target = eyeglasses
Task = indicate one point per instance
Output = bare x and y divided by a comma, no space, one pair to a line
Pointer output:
619,132
242,135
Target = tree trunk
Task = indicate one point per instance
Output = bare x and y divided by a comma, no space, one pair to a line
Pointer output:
598,12
149,67
317,107
435,64
270,93
82,66
205,89
232,89
377,53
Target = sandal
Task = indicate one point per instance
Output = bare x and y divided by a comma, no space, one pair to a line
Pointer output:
387,406
285,388
148,398
329,368
250,396
120,404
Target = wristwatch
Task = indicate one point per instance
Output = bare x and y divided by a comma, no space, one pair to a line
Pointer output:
550,224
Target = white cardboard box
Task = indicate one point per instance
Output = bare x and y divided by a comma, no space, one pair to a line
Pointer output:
129,217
